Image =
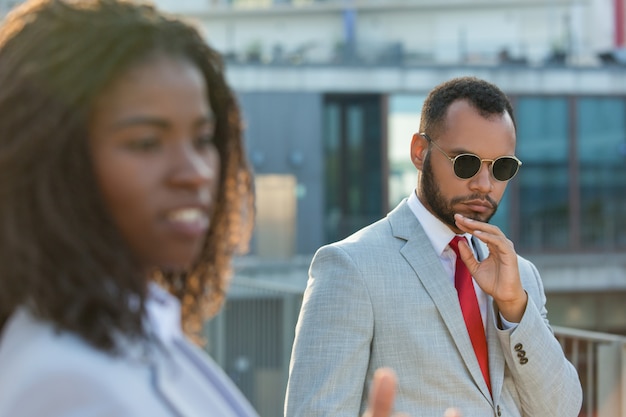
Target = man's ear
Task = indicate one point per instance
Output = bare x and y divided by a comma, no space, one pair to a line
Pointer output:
419,147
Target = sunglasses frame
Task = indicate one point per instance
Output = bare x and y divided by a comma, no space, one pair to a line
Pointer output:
491,161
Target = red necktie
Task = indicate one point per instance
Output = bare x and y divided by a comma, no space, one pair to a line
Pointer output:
471,311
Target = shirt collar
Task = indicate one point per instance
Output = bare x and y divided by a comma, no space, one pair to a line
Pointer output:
163,314
437,231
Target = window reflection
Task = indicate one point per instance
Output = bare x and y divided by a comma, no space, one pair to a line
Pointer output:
402,122
601,130
353,144
542,144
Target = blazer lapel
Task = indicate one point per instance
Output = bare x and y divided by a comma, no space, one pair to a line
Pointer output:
496,357
193,386
165,377
419,253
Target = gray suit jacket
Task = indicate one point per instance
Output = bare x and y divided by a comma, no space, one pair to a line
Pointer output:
381,298
46,373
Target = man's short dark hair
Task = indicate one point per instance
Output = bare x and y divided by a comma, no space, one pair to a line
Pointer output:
484,96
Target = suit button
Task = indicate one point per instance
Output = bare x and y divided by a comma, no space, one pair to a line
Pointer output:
523,361
499,413
521,354
518,347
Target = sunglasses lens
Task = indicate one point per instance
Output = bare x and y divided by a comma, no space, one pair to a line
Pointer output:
466,166
504,168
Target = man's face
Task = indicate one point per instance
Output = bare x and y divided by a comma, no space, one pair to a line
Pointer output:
465,131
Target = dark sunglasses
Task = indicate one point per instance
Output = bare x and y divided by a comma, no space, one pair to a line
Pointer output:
466,165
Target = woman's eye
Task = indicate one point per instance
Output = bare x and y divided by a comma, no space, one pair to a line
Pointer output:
143,144
204,141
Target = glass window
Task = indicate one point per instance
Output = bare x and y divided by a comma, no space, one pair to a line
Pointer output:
332,166
502,215
353,163
542,145
402,122
353,159
601,132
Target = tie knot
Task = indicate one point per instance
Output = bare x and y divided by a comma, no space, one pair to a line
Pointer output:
454,243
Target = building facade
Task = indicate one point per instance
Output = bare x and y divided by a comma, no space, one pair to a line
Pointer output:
331,93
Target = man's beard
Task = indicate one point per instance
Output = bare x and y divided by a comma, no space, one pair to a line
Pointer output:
442,209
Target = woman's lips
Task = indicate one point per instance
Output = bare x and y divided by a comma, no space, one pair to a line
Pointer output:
190,222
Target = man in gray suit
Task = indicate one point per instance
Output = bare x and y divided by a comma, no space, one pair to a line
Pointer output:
387,296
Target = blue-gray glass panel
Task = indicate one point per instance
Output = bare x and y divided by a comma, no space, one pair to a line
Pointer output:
332,169
542,145
601,131
353,166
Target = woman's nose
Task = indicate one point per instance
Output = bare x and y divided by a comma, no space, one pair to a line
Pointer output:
194,168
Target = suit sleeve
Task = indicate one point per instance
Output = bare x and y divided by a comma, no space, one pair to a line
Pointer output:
332,343
546,382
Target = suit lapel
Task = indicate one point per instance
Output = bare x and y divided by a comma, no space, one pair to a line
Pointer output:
496,357
189,383
165,377
421,256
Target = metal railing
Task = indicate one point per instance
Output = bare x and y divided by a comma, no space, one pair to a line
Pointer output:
252,337
600,359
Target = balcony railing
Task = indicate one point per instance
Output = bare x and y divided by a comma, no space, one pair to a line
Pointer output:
252,338
600,359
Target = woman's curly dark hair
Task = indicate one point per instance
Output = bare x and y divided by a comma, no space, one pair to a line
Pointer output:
59,251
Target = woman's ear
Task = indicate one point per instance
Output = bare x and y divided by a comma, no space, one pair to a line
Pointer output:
419,147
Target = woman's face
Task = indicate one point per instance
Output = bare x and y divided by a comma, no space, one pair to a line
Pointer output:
154,159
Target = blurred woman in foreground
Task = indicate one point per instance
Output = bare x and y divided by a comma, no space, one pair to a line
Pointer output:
124,192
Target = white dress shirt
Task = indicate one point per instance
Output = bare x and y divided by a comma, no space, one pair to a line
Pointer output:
440,236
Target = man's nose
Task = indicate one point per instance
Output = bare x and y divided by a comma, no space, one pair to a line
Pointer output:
483,180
